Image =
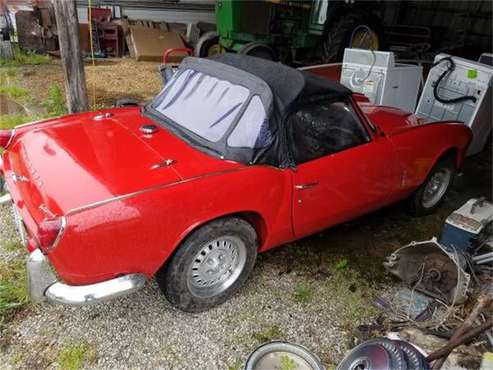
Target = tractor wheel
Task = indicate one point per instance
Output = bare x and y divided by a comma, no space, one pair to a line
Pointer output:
259,50
351,31
208,44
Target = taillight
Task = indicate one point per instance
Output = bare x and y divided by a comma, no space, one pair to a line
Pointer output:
49,232
6,137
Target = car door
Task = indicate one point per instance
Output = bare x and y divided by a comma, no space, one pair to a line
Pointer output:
342,169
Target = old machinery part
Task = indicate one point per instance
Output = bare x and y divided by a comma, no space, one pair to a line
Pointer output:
431,269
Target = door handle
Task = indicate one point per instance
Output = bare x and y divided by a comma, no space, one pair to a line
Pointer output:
306,186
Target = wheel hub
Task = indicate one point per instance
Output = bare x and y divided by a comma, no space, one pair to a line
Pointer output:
436,187
217,266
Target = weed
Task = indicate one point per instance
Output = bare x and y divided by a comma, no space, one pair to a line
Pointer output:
55,104
24,57
288,363
13,287
14,91
353,295
73,357
13,246
12,120
342,264
303,293
268,334
237,365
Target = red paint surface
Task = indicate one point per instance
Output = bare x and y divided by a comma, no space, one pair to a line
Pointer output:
124,216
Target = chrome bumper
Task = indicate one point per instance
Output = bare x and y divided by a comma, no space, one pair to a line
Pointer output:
43,284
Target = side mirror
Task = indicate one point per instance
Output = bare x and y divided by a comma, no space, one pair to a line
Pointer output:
166,72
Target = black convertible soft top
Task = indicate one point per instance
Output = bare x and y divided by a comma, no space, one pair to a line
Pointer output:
287,84
218,85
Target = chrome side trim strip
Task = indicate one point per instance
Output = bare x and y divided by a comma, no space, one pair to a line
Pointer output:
81,295
135,193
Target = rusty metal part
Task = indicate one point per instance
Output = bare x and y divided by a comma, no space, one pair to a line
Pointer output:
431,269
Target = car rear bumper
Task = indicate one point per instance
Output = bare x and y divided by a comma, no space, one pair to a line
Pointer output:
43,284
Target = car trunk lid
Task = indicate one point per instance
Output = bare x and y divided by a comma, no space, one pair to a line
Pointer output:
79,160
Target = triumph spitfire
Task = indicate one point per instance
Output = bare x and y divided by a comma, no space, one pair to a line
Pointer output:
235,156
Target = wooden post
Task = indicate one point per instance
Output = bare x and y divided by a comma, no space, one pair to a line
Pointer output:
73,66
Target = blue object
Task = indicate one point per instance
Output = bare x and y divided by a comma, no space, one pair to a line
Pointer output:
455,238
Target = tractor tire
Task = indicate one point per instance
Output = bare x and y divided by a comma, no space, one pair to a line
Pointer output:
338,35
259,50
207,45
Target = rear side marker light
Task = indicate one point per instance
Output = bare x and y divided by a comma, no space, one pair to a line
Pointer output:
50,231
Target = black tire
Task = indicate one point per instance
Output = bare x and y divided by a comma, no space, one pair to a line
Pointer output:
205,42
338,35
126,102
173,277
259,50
417,204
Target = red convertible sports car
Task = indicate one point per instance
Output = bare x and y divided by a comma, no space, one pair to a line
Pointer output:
235,156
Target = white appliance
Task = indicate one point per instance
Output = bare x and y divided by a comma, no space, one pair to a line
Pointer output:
466,80
377,75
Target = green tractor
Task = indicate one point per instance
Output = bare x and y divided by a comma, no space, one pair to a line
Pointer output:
293,32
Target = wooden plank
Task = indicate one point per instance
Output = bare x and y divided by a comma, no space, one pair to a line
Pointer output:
72,63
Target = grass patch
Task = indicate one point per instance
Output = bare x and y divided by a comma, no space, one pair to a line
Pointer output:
13,246
12,120
74,356
303,293
354,296
237,365
268,334
288,363
13,287
14,91
342,264
55,104
22,57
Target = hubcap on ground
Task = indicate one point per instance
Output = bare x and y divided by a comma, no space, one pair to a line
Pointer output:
436,187
217,266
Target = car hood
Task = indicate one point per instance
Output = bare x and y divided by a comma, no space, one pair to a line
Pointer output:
83,159
390,120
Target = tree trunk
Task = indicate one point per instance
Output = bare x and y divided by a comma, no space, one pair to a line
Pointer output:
73,66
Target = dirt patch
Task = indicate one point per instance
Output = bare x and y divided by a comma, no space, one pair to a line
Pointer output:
107,81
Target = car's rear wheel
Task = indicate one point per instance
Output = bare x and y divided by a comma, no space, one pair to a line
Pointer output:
210,265
432,192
